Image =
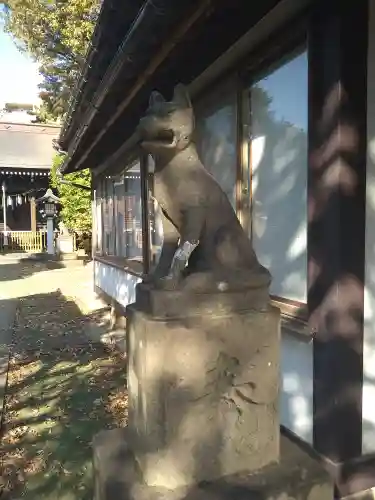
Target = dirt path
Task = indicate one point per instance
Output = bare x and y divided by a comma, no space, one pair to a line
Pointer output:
62,390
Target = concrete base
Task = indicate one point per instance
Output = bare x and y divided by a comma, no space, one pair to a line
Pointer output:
298,476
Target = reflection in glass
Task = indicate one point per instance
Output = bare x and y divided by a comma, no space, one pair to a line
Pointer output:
278,159
216,132
155,218
110,233
105,217
119,207
98,218
133,213
119,210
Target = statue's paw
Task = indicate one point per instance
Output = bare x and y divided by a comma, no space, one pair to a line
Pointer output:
167,283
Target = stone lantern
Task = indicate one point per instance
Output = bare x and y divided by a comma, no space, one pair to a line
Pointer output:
49,202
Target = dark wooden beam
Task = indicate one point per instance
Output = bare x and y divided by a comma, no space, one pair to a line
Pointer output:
338,35
145,213
180,64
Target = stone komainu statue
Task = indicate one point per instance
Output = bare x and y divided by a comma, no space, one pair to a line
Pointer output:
205,247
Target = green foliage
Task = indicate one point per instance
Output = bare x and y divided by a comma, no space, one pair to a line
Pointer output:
43,115
57,34
76,202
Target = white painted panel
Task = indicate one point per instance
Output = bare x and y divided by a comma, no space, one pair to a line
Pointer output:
368,399
116,283
296,390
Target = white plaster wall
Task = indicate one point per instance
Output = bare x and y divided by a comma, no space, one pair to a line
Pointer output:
115,283
296,387
368,400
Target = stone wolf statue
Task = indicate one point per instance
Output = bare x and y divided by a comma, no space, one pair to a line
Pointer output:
205,247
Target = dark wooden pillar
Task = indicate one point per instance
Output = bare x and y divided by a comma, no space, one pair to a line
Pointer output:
146,251
338,35
32,214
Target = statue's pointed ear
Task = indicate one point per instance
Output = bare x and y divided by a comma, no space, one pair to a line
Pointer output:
155,97
181,96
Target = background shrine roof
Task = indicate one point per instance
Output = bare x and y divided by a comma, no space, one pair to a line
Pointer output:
27,145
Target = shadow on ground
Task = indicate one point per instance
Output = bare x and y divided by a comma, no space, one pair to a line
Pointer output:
16,267
13,270
62,390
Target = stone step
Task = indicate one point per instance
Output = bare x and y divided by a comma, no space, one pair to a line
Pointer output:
68,256
298,475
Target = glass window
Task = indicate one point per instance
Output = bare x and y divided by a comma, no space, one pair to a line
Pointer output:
110,216
216,139
98,218
119,211
119,214
155,218
278,169
133,213
105,217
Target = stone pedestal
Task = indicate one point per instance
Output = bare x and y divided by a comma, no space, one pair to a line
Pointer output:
203,383
50,242
203,390
65,244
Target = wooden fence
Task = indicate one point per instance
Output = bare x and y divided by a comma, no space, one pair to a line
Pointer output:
24,241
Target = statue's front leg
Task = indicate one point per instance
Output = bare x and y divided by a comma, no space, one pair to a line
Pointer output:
189,241
169,247
180,259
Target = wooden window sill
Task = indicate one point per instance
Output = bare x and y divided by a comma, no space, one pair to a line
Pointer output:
296,328
293,319
130,266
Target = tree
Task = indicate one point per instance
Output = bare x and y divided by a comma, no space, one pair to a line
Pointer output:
57,34
76,202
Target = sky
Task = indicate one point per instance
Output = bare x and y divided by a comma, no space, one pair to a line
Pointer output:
287,86
19,74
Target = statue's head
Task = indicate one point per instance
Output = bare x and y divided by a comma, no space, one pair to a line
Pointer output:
167,125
